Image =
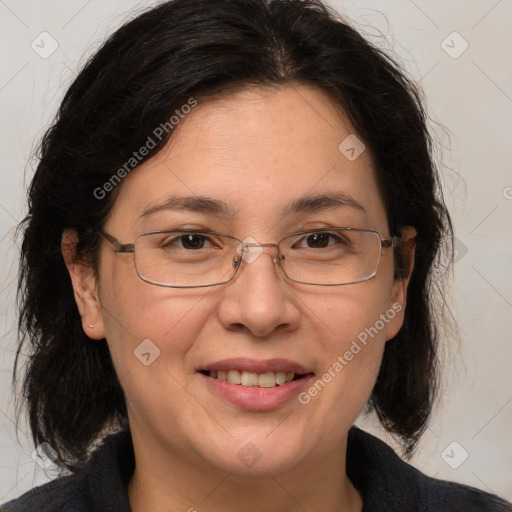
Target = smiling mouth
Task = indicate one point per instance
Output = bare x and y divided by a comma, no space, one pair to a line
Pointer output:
253,379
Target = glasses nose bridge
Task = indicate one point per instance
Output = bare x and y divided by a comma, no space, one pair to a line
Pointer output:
258,244
246,255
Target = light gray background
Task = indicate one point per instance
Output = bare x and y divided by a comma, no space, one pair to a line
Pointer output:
471,96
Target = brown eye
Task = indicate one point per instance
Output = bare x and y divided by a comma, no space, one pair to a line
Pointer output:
192,241
189,241
319,240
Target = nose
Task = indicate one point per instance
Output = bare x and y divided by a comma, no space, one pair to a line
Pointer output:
258,299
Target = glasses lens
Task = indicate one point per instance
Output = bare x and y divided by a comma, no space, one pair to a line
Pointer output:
331,257
194,259
181,259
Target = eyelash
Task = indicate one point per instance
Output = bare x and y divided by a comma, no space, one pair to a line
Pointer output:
302,238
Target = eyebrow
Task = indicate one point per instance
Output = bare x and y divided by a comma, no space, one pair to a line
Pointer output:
303,204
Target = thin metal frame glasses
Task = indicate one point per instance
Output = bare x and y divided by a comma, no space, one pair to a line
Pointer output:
354,256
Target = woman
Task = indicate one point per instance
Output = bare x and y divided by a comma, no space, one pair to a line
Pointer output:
232,239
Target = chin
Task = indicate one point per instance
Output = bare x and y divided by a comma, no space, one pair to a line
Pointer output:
255,453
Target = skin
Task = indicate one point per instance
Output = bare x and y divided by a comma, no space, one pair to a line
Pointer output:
259,147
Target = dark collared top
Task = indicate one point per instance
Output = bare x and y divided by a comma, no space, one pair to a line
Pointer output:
386,482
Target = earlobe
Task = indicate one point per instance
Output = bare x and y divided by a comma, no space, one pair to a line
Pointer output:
83,280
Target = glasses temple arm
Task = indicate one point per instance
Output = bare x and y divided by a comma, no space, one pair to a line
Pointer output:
392,242
118,247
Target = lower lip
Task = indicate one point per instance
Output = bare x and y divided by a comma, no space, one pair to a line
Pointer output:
255,398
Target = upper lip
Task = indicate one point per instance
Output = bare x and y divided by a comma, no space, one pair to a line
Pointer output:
256,366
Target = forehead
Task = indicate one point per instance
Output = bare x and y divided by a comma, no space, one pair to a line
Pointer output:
257,152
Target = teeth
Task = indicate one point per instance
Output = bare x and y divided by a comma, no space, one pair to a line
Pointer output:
234,377
251,379
267,380
281,378
248,378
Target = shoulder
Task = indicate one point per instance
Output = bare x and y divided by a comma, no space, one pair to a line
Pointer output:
63,494
99,485
387,483
451,496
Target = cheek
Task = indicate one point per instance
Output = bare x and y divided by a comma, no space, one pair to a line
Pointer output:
361,312
142,319
355,341
349,340
351,329
152,343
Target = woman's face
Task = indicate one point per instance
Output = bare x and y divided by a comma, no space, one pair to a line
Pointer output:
257,152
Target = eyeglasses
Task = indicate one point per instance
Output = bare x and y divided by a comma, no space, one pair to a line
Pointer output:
184,258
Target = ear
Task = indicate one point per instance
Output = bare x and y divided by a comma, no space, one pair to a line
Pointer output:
399,292
84,284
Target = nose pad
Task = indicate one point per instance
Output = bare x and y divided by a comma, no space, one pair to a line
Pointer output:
279,260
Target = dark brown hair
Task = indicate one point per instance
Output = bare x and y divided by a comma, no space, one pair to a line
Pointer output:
146,70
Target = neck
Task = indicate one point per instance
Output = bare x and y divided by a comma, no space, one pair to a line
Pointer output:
165,482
